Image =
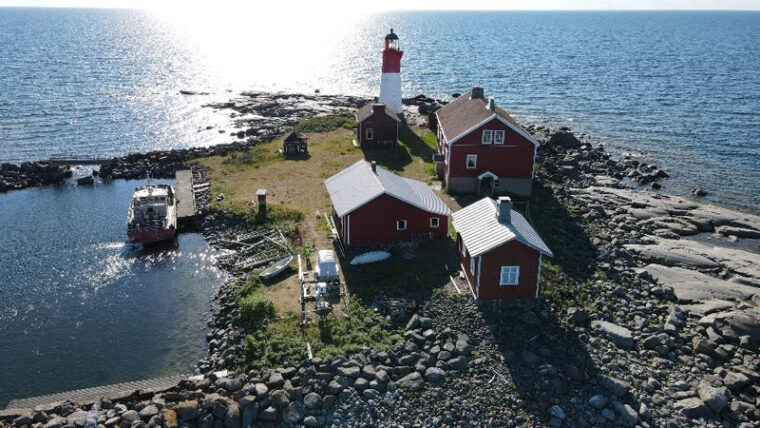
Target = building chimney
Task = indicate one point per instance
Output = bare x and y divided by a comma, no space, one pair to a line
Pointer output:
374,166
476,93
504,209
491,104
378,108
261,201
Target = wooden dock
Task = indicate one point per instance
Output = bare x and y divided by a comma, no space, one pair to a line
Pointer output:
90,395
186,196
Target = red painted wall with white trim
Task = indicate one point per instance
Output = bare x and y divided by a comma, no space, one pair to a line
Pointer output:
514,159
375,222
514,253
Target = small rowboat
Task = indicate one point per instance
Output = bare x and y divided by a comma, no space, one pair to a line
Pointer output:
371,257
276,268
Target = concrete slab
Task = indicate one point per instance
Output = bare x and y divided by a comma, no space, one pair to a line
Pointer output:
185,196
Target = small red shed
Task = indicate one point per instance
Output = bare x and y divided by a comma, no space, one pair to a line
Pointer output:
372,205
482,148
499,250
377,125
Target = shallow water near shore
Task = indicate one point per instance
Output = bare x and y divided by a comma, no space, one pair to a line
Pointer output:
81,307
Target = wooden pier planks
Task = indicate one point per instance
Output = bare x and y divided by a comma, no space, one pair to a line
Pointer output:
89,395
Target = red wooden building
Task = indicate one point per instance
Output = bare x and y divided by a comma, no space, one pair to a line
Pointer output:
377,125
482,148
499,250
372,205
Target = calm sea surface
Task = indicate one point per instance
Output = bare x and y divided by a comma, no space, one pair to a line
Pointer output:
78,307
680,88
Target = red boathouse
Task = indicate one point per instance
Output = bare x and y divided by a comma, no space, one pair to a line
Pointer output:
499,250
372,206
482,148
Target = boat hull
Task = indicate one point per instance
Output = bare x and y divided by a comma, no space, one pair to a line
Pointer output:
276,269
151,236
371,257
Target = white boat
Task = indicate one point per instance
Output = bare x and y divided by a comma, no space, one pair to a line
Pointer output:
276,268
371,257
152,214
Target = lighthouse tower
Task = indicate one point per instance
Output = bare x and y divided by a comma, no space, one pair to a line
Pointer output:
390,82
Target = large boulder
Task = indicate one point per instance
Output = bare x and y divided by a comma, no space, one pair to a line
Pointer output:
187,410
565,139
618,335
736,381
716,398
232,417
280,398
294,413
312,401
693,408
434,375
413,381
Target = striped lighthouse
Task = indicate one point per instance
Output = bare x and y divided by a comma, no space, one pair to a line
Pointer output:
390,82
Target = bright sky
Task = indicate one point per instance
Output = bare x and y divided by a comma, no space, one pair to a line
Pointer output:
374,5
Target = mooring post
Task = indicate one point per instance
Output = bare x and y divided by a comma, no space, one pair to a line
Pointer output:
261,200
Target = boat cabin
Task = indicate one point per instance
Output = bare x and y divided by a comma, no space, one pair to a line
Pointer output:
151,203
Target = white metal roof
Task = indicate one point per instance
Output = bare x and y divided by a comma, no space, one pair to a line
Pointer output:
151,190
356,185
481,231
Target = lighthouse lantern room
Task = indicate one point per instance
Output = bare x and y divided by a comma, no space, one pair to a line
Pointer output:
390,81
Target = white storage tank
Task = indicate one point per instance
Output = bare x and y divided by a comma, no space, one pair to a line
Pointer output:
327,266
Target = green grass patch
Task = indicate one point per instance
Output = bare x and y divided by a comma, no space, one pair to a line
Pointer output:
327,123
409,272
284,340
246,216
360,327
256,309
256,156
410,145
431,141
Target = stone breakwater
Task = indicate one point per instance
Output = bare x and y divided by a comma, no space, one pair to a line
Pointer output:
654,322
29,174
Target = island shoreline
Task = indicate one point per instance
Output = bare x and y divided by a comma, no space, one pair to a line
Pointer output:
586,179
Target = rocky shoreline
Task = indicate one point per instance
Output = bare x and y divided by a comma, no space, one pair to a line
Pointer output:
657,323
267,116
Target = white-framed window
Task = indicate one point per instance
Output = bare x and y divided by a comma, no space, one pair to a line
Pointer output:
510,275
498,136
400,224
435,221
472,265
369,133
487,138
472,161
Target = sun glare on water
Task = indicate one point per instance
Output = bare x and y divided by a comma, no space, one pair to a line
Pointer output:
261,45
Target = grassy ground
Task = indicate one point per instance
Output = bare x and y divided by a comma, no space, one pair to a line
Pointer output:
296,193
411,272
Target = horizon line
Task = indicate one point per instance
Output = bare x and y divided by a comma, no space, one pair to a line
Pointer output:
6,6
